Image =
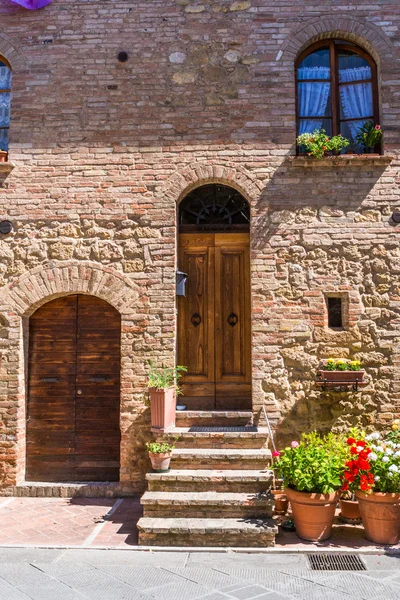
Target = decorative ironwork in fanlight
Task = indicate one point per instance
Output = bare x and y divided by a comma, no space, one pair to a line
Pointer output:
214,207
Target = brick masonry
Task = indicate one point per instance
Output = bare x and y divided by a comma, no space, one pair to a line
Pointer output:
104,151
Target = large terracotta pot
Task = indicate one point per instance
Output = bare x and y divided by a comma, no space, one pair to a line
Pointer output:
160,461
3,156
163,409
380,514
349,509
313,514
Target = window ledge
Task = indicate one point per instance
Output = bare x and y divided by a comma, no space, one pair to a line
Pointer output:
6,167
342,160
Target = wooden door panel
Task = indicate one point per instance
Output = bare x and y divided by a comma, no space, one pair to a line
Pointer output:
74,346
196,315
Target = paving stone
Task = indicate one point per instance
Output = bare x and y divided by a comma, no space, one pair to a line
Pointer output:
184,590
112,591
142,578
273,580
362,587
250,591
208,577
9,592
322,593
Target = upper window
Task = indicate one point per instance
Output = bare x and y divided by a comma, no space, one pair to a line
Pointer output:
336,90
5,97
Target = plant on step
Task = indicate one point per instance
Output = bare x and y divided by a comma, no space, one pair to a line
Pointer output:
315,464
159,447
369,135
318,144
165,377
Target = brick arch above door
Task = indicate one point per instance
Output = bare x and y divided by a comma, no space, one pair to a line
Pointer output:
197,174
45,283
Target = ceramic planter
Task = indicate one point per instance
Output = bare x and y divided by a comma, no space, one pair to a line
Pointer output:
3,156
160,461
380,514
345,376
313,514
350,509
163,409
281,502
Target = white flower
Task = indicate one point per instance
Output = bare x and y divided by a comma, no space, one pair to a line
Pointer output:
360,448
390,474
385,459
377,478
389,443
372,456
388,452
381,449
394,468
374,436
396,454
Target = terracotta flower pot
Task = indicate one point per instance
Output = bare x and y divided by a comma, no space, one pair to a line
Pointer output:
349,509
313,514
281,502
380,514
160,461
163,409
3,156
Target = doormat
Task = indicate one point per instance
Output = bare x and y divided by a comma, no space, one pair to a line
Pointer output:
251,428
336,562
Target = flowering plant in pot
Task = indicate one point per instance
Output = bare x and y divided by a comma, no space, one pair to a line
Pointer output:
374,473
318,144
160,454
368,136
312,470
163,387
341,370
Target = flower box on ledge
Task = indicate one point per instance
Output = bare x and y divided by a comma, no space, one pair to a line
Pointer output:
340,372
341,160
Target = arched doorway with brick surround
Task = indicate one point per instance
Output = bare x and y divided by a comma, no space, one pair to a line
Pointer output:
24,298
73,399
214,317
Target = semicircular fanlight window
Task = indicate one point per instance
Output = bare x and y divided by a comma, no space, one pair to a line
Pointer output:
214,207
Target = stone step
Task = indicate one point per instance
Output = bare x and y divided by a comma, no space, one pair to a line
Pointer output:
188,437
200,480
234,533
186,418
89,489
206,504
221,458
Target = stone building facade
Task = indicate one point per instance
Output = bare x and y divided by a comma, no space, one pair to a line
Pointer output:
102,152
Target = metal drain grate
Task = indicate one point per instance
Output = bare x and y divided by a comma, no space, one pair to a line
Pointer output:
336,562
222,429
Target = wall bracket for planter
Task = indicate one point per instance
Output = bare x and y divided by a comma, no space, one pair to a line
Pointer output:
343,385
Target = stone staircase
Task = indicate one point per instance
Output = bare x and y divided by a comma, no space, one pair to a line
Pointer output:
215,493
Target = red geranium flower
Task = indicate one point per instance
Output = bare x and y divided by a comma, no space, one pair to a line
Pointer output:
351,441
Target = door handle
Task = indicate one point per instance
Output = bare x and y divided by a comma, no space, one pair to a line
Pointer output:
232,319
79,392
196,319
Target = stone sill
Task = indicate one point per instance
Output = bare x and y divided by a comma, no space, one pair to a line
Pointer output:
6,167
342,160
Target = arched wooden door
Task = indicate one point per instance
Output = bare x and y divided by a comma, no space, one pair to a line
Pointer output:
214,318
73,405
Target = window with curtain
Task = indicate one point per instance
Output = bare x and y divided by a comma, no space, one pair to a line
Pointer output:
5,98
336,90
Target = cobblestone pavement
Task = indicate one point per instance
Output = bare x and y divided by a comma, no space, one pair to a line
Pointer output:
43,574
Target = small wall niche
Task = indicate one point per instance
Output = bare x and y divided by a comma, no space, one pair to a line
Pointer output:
336,311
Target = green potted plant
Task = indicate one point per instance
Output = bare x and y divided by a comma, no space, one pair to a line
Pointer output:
160,454
318,144
312,471
374,472
341,370
163,388
369,136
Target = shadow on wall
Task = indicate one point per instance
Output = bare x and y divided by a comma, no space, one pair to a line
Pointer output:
317,229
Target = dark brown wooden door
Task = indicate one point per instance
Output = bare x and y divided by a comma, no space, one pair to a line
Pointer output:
73,391
214,321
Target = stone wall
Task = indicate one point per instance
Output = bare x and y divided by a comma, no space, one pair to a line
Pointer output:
103,152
